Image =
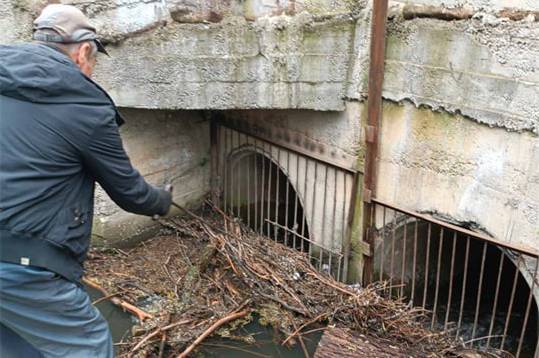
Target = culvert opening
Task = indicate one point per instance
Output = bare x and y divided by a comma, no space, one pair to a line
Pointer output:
286,195
474,288
260,194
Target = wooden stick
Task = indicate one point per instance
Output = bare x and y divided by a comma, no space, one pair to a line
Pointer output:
303,326
104,298
212,328
157,332
303,347
141,315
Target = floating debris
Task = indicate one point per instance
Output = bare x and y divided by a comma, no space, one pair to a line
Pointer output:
206,276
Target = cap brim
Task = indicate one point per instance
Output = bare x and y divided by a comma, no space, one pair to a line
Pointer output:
100,47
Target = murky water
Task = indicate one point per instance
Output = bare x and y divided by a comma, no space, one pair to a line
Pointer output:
266,345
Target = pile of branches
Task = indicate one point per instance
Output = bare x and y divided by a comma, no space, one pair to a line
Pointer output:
235,273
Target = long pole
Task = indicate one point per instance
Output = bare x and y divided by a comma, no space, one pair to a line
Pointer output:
374,114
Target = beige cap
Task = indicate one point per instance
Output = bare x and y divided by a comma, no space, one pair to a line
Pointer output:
69,24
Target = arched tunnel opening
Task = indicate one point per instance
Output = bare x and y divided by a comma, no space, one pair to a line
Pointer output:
258,192
473,288
288,196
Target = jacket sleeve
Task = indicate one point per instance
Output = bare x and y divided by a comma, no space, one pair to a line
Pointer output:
106,160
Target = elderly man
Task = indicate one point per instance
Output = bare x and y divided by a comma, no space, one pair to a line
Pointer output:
58,136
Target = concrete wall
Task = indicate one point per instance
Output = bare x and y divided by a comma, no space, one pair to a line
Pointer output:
166,147
473,159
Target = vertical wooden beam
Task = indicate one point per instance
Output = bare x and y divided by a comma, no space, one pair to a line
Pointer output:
374,108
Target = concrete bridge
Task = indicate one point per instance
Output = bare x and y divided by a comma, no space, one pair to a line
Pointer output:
460,124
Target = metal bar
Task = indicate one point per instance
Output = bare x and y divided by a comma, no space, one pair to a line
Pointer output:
451,271
528,309
394,224
374,114
437,287
463,293
382,244
263,188
511,301
225,170
495,305
429,231
329,263
313,208
342,161
214,163
343,224
270,163
479,292
518,248
296,225
334,213
339,268
238,186
287,197
256,184
248,164
414,261
277,181
324,205
304,216
367,267
403,267
303,237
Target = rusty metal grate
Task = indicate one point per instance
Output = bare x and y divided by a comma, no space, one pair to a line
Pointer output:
300,201
479,289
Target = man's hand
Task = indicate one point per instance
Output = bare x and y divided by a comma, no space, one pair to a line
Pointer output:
168,189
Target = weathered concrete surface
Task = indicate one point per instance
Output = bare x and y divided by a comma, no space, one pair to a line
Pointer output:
273,63
485,5
455,168
485,69
166,147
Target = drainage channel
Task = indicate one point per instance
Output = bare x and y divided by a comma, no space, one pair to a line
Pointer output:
267,340
479,290
292,198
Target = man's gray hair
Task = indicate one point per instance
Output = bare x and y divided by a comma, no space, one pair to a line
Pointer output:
72,48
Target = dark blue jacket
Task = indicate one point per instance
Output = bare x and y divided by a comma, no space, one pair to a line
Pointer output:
58,136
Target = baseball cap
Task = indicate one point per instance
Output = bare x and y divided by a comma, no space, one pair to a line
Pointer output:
69,25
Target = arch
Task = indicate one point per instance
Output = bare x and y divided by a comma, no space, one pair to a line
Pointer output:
260,184
321,194
471,284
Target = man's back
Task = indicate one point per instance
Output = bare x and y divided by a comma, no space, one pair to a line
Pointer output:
58,133
58,136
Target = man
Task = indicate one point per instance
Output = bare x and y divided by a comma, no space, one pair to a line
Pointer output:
58,136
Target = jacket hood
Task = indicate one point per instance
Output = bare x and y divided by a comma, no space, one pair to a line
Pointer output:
40,74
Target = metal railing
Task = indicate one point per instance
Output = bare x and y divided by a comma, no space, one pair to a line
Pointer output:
477,288
300,201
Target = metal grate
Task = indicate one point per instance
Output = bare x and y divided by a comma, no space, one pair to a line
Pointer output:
294,199
479,289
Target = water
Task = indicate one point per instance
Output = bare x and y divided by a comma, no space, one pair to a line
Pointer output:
266,339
